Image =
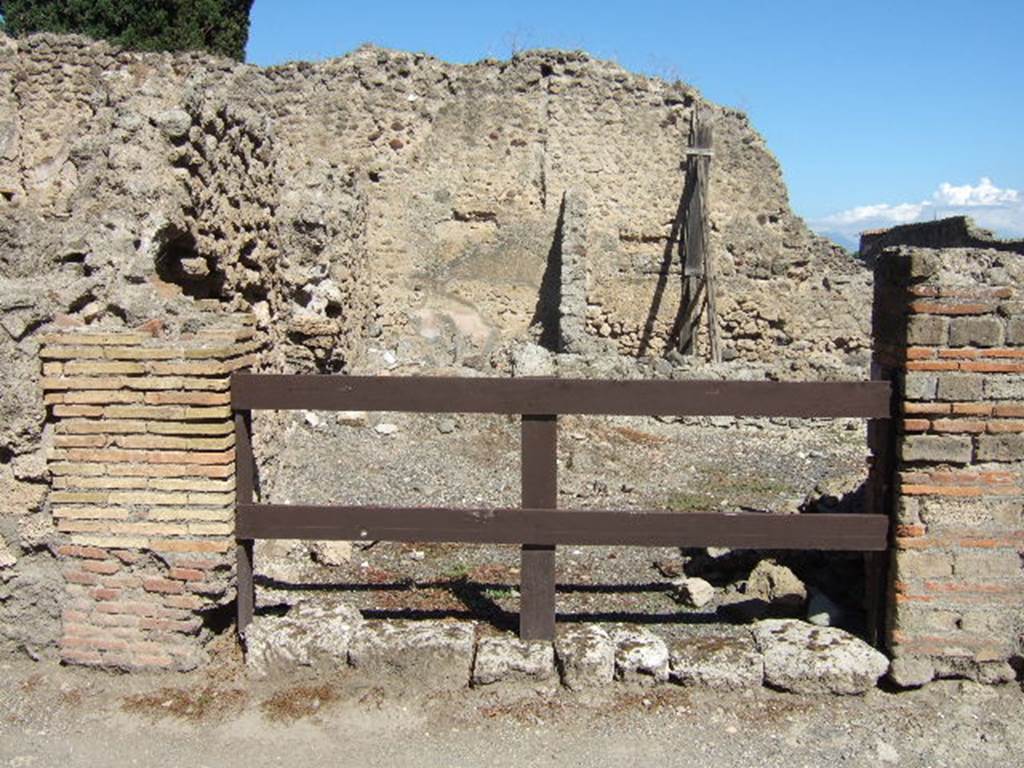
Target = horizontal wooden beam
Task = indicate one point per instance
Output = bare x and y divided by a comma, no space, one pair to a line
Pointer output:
539,396
744,530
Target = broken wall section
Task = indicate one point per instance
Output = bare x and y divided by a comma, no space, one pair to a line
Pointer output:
143,469
949,324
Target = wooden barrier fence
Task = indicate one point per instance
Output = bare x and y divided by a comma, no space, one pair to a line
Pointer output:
538,526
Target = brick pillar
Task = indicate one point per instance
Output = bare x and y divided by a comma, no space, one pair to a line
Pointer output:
950,325
143,490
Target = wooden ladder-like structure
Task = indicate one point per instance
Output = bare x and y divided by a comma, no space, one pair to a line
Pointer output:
698,269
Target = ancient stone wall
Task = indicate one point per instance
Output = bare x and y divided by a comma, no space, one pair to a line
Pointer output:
952,232
381,211
142,469
949,324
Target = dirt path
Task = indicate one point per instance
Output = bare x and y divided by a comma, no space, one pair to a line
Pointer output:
52,716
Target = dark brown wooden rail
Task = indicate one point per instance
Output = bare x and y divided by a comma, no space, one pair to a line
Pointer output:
541,397
538,526
546,526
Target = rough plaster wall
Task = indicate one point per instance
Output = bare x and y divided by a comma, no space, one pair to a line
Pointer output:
375,208
464,168
131,189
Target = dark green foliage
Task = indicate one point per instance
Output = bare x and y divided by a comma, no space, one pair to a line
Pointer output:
219,26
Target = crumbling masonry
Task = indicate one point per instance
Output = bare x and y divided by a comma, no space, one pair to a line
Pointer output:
389,212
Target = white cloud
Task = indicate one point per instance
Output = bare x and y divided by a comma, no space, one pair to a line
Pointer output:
1001,210
986,193
894,214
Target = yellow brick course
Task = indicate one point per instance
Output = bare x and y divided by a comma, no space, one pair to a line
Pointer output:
92,427
148,498
76,468
211,529
80,441
90,512
121,338
81,382
71,411
192,428
101,367
173,442
192,484
75,352
188,398
104,397
94,482
218,514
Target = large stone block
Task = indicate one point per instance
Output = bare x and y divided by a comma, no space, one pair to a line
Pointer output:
923,565
1001,447
723,660
803,658
509,660
976,331
919,386
640,655
960,386
911,671
1015,330
927,330
1004,387
937,448
421,655
586,657
989,564
309,636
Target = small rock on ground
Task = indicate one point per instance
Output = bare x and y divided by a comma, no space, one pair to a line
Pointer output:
822,610
352,418
532,360
331,553
778,586
694,592
911,672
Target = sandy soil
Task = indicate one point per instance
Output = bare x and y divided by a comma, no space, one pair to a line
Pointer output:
53,716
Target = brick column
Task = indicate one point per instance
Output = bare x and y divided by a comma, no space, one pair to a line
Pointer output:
143,490
950,326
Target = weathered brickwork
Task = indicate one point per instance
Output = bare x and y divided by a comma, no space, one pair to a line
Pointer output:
142,489
945,325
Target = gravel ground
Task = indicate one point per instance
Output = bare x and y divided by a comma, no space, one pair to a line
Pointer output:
73,717
616,463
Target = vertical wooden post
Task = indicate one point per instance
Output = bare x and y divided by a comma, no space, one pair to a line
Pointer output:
877,501
539,491
244,483
698,267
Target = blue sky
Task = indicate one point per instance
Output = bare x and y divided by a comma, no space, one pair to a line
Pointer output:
880,112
